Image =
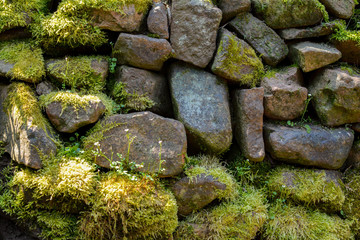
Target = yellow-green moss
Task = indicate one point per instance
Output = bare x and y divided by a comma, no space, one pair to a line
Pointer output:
27,59
351,207
78,73
289,222
241,219
308,187
125,209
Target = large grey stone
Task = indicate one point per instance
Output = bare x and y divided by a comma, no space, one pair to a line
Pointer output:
311,56
339,8
200,101
231,8
284,97
155,139
280,14
310,32
336,96
193,30
317,146
157,20
142,51
262,38
249,111
236,61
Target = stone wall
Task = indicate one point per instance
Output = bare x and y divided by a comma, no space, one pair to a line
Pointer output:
182,119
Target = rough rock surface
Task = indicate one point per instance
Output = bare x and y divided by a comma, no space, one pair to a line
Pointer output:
354,156
142,51
151,134
284,97
340,8
350,51
279,14
128,20
193,30
194,194
152,85
249,111
310,32
336,96
200,102
10,231
44,88
236,61
356,127
231,8
311,56
157,20
319,147
69,120
262,38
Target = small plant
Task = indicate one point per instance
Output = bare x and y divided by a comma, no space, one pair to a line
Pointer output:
112,65
306,107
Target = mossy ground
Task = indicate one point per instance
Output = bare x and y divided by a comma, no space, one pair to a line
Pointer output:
351,207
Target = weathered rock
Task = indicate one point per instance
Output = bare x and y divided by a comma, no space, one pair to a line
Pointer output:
284,97
236,61
340,8
356,127
27,136
231,8
311,56
194,194
200,101
350,51
152,135
336,96
262,38
279,14
69,120
126,20
249,111
354,156
157,20
138,84
318,147
44,88
310,32
142,51
194,27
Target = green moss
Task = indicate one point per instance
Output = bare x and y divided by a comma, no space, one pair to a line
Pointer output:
78,73
27,60
307,186
352,70
241,218
343,32
126,209
351,207
297,223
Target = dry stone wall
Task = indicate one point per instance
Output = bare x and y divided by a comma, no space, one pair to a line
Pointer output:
180,119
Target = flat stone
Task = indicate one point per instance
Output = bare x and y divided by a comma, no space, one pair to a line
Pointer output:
279,14
249,111
152,134
262,38
142,51
157,20
350,51
200,102
320,147
44,88
194,28
127,20
194,194
236,61
143,83
311,56
284,97
231,8
340,8
310,32
336,96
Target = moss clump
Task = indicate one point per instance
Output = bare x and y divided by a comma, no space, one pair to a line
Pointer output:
309,187
241,218
296,222
351,207
344,33
78,73
27,59
126,209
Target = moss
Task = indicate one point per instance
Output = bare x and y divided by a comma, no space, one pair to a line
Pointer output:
344,33
352,70
27,59
351,207
307,186
241,218
210,166
125,209
298,223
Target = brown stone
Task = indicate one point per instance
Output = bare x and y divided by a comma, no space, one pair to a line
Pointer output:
340,8
231,8
350,51
310,32
157,20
